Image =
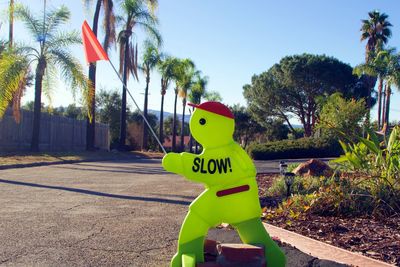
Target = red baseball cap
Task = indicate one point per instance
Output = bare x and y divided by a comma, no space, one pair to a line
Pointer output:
214,107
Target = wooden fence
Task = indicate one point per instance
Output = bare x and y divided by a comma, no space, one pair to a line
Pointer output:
56,133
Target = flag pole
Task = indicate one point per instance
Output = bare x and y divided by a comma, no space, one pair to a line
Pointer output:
140,111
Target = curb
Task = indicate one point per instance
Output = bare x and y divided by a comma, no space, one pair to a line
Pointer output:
322,250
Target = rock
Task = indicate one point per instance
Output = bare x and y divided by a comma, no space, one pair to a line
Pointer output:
313,167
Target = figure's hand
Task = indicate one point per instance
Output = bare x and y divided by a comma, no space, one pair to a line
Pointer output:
172,162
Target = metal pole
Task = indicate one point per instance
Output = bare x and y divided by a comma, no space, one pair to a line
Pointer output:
140,111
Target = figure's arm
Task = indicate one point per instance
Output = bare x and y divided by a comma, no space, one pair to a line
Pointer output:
182,164
178,163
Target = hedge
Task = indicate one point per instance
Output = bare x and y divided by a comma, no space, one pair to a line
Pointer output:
295,149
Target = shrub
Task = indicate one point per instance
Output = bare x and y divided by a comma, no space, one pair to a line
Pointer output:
301,185
299,148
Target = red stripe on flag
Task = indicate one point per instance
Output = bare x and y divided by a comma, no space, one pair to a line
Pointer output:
93,49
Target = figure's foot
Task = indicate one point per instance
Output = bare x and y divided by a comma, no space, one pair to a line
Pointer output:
194,249
176,261
253,232
188,260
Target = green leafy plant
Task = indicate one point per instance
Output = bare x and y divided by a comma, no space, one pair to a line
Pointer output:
379,165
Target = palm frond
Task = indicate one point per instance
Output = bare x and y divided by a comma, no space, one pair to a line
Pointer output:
14,70
72,72
34,25
109,24
64,39
49,81
54,18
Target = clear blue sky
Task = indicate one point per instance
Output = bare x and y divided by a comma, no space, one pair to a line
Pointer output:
231,40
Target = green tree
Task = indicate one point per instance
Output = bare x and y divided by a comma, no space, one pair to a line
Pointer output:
73,112
108,111
339,115
213,96
291,87
136,14
136,118
109,39
51,55
166,67
376,30
150,59
246,128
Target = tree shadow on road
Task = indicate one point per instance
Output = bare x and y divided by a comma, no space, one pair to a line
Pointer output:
100,194
139,170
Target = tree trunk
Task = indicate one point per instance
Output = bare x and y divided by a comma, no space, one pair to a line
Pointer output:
380,85
384,106
11,26
183,125
371,81
90,124
122,132
146,99
388,93
161,133
174,122
40,68
191,136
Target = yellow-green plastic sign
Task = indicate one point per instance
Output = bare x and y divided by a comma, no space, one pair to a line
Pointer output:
231,192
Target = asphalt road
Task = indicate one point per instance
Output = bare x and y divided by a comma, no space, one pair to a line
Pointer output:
103,213
98,213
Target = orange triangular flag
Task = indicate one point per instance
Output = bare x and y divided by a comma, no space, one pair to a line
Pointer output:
93,49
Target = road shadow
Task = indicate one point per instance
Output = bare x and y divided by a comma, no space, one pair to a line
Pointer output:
99,168
101,194
172,195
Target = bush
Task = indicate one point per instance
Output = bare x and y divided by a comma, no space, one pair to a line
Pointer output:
301,185
299,148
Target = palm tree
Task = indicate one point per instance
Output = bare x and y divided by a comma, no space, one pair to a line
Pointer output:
374,68
180,69
109,40
151,57
197,91
184,83
166,66
11,25
137,14
391,76
51,55
376,30
14,72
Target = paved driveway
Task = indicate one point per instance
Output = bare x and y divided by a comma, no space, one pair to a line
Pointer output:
98,213
103,213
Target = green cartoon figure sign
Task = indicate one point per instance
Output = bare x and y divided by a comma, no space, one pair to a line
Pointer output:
231,192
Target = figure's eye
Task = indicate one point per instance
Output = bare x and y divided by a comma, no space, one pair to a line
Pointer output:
202,121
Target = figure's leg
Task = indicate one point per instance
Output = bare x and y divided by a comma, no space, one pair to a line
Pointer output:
253,232
191,239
